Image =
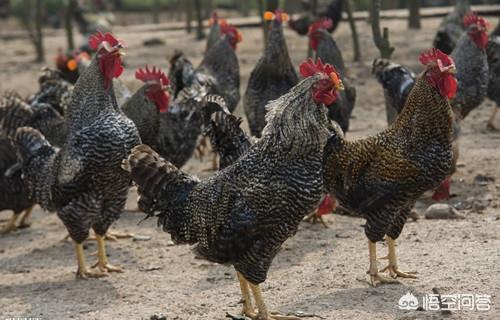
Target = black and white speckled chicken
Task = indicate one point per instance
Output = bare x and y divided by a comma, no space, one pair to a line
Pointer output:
272,76
327,50
452,27
242,214
83,181
493,53
170,128
215,30
381,177
472,71
333,12
396,80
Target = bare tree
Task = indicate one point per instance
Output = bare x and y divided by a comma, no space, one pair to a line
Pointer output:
156,11
32,21
314,13
68,22
381,39
414,14
354,32
244,9
200,34
189,15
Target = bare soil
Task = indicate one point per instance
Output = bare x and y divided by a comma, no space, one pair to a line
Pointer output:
319,272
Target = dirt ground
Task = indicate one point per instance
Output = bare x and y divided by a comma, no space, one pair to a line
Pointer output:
320,273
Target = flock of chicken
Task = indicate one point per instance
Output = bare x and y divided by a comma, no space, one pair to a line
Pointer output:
74,149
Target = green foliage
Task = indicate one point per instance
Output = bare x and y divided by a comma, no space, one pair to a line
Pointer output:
51,6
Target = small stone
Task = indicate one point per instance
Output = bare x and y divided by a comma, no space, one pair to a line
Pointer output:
138,237
442,211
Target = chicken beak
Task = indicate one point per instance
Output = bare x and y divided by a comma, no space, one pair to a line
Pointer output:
452,70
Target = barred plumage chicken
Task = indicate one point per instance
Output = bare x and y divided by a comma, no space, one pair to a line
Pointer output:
215,30
243,213
326,49
493,53
396,80
451,28
83,181
472,72
53,90
382,176
272,76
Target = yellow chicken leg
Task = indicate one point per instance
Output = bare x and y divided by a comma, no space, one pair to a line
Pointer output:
375,276
11,224
24,223
245,297
392,267
82,271
102,259
491,121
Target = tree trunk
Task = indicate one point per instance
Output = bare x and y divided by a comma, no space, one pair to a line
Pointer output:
209,9
243,4
68,23
189,15
260,5
381,40
272,5
314,13
199,20
414,14
156,11
354,31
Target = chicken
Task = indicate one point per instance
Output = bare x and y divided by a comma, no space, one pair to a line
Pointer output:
227,138
493,93
327,206
54,90
225,72
215,30
181,72
333,12
272,76
452,27
472,73
83,181
13,191
243,213
326,49
172,130
381,177
396,80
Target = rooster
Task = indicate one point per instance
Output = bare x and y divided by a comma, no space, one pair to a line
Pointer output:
452,27
382,176
272,76
215,29
326,49
243,213
83,181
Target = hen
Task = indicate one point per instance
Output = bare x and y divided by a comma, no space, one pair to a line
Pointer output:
333,12
397,82
452,27
83,181
493,53
215,30
326,49
381,177
272,76
243,213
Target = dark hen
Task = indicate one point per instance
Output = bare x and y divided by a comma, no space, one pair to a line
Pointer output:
272,76
333,12
452,27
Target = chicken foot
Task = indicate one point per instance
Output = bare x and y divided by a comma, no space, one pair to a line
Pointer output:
83,272
491,121
11,224
262,313
375,276
102,260
314,217
392,267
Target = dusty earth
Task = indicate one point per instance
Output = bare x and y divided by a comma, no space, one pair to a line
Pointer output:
320,272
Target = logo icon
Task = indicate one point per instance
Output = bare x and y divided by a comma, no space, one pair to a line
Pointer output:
408,302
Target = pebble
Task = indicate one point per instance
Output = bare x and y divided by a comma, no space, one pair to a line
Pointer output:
442,211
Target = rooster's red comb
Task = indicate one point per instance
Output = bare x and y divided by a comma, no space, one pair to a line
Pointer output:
320,24
231,30
106,41
155,74
438,58
309,68
473,18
